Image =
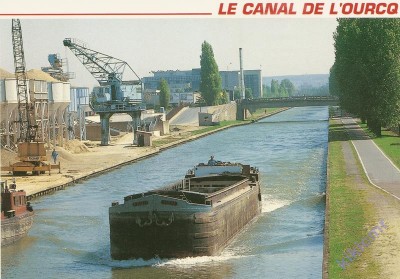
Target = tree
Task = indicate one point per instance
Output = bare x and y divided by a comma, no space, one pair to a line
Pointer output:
210,83
164,94
248,93
289,87
237,93
266,91
333,84
224,97
274,88
348,70
366,70
383,94
309,90
282,91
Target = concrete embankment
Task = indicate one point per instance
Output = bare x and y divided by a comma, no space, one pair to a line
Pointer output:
89,165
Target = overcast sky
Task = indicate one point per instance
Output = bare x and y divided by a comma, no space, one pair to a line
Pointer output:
278,46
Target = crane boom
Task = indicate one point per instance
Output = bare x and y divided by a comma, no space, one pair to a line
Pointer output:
26,111
114,95
106,69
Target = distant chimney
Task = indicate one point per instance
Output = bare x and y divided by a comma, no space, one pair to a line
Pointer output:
242,89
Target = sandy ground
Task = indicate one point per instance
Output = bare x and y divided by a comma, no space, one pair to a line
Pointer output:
80,159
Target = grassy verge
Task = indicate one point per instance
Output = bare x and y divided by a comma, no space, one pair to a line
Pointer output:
349,214
389,143
164,141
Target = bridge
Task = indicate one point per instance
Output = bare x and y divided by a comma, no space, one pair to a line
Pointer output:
251,105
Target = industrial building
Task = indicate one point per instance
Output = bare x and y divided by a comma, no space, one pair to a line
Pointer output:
52,98
184,98
252,80
78,109
80,97
181,82
178,81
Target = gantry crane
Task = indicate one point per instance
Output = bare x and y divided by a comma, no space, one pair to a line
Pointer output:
31,152
108,71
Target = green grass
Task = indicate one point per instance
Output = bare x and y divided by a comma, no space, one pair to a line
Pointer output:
349,214
389,143
161,142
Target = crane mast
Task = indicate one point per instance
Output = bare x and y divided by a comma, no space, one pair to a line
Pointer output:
125,96
31,152
26,111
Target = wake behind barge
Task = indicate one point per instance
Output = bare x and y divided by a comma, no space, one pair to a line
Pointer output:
197,216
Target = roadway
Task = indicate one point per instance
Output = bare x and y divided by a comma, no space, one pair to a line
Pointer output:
188,116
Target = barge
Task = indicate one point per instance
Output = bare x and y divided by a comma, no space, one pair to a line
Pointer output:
197,216
16,214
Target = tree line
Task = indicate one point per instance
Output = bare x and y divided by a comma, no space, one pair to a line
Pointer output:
283,89
287,89
366,72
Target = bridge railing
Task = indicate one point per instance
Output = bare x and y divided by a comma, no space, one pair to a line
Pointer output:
292,99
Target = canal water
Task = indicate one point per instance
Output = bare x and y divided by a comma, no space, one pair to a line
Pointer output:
70,235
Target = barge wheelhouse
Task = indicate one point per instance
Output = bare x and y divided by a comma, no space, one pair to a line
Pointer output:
16,214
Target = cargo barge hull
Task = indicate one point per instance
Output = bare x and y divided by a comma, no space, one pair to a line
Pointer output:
197,217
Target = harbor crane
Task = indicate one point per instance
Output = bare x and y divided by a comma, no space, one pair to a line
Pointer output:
31,150
114,95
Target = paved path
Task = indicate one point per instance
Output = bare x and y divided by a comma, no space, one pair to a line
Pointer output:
380,170
189,116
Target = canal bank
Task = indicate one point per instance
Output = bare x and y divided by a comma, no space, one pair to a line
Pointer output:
96,160
362,222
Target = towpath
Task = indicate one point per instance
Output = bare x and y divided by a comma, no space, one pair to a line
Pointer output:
385,204
381,172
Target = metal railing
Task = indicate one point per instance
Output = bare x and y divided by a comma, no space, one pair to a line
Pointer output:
292,99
